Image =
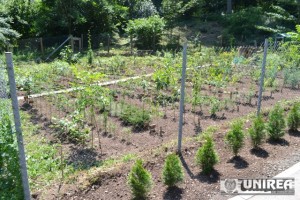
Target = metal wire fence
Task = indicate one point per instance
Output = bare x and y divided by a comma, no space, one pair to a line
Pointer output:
13,171
142,111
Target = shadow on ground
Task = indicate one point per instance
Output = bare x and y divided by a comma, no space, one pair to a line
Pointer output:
213,177
280,141
259,152
173,193
239,162
83,158
294,133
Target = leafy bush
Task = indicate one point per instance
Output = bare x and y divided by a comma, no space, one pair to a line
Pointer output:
68,55
172,171
240,24
139,180
292,77
257,131
206,156
147,31
235,137
10,175
276,123
144,8
135,116
73,130
293,119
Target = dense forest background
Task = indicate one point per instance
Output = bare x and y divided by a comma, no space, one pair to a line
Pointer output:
240,20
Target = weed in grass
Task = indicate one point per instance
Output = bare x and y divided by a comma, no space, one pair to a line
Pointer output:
135,116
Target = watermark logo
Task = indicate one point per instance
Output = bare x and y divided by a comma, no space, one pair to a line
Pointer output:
274,186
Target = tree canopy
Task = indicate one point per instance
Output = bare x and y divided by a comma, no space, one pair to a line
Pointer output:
61,17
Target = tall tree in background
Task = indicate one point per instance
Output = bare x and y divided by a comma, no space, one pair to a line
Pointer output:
22,14
171,10
62,14
6,33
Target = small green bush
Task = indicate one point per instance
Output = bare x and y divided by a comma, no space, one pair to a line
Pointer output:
10,174
276,123
172,171
73,130
139,180
293,119
257,131
206,156
148,31
135,116
235,137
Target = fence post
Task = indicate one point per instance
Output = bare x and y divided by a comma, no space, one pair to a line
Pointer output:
108,43
262,77
42,45
229,6
81,42
184,58
131,45
72,43
17,120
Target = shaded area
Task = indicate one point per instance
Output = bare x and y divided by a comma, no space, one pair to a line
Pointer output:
186,167
83,158
173,193
259,152
279,141
239,162
213,177
294,133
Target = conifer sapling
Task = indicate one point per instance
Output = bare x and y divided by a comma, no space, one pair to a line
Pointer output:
206,156
172,171
139,180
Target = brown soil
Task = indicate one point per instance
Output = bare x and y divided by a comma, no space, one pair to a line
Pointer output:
196,185
268,161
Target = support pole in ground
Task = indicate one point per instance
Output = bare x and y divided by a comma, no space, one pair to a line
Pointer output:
42,46
17,120
131,44
229,6
81,43
72,43
108,43
184,58
262,77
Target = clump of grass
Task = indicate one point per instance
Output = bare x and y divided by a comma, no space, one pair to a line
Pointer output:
135,116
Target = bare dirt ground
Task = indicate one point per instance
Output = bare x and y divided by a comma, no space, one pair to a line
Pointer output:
271,159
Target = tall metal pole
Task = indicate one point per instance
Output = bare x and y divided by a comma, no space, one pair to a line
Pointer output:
229,6
262,77
15,106
182,96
